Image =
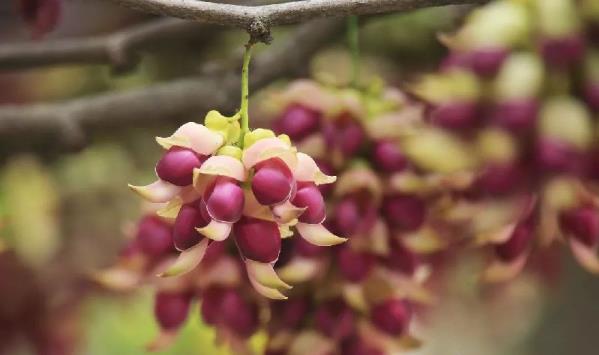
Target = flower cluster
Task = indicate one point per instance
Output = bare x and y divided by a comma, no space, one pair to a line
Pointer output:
513,104
359,297
40,15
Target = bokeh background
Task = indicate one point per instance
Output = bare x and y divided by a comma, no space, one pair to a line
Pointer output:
65,215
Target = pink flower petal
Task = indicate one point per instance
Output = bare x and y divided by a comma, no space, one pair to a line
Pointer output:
225,166
194,136
269,148
308,170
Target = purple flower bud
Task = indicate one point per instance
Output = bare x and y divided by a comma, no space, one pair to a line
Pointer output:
211,304
402,259
272,182
257,239
562,53
389,157
238,314
517,244
345,134
224,199
455,115
591,95
486,61
177,164
308,196
41,15
392,316
154,237
306,249
556,156
335,319
357,346
501,178
581,223
190,217
516,115
170,309
354,265
353,216
214,252
290,313
403,211
298,122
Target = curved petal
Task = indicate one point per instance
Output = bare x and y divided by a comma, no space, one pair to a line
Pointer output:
158,191
252,208
187,260
194,136
500,271
267,292
300,270
117,278
424,241
215,230
201,181
269,148
308,170
265,274
353,294
286,212
317,234
359,178
223,165
587,257
171,210
499,236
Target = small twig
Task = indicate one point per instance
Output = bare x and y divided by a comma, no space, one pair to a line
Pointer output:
257,20
117,49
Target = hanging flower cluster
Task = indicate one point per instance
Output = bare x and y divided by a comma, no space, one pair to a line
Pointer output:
515,105
254,192
359,297
40,15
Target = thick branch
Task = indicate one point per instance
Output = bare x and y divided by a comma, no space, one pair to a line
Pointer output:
117,49
258,19
63,126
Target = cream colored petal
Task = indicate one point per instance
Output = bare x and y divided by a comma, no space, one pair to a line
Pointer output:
300,269
499,271
158,191
286,212
187,260
163,340
265,149
587,257
308,170
317,234
118,278
265,274
171,210
225,166
353,294
194,136
267,292
252,208
359,178
215,230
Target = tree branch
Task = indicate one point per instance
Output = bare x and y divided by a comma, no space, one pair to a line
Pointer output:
118,49
65,126
257,20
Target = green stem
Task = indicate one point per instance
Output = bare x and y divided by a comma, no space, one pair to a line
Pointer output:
245,119
354,47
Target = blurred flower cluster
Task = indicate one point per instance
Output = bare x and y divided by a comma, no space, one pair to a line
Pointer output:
514,105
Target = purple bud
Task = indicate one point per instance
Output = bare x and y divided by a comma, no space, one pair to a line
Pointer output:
224,199
308,196
272,182
455,115
353,216
500,178
403,211
211,304
402,259
190,217
556,156
154,237
257,239
591,95
516,244
41,15
354,265
516,115
562,53
298,122
214,252
392,316
238,314
350,138
335,319
290,313
389,157
581,223
357,346
177,164
486,61
170,309
305,248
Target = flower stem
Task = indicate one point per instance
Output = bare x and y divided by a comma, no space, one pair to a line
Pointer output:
353,42
245,120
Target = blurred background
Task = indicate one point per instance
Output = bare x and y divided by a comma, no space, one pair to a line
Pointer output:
64,213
